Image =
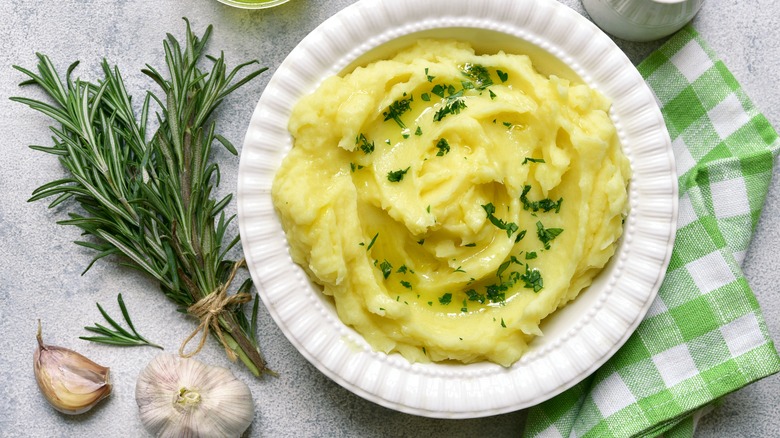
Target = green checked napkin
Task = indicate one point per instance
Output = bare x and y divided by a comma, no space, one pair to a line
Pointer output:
704,335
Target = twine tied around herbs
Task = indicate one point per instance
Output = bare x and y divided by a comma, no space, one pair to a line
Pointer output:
209,308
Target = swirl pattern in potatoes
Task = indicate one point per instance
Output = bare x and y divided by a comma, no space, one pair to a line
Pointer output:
449,201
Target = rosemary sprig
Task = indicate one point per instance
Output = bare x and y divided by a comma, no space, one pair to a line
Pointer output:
117,336
145,195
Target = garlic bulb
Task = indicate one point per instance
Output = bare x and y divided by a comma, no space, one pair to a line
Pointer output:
72,383
180,397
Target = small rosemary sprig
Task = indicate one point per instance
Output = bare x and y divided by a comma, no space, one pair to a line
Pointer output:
145,194
117,336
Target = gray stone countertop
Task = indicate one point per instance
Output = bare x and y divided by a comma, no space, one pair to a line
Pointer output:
41,267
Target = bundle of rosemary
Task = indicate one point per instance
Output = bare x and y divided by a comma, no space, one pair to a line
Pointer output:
146,196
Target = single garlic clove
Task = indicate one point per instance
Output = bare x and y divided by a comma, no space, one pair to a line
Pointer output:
70,382
179,397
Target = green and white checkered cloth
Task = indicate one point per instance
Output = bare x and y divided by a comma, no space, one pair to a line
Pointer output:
704,335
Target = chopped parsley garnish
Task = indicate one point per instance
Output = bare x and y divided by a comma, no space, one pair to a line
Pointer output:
452,106
533,160
478,74
418,132
470,245
503,76
492,94
406,284
443,146
503,324
510,227
530,255
496,293
503,267
396,109
425,97
547,235
429,77
475,296
397,175
365,146
459,270
520,236
508,125
386,268
545,204
355,167
445,299
446,90
373,240
532,279
402,270
464,309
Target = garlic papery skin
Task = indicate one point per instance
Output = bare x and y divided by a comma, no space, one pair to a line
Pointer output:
180,397
72,383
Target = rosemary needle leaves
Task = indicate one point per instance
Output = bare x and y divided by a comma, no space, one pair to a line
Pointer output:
145,194
118,335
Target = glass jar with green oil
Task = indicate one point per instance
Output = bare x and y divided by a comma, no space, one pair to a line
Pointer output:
253,4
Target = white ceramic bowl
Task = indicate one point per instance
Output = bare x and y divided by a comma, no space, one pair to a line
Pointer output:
580,337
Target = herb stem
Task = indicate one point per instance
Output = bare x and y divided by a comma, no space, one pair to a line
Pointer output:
150,201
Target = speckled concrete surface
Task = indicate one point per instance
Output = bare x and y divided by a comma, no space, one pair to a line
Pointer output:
41,268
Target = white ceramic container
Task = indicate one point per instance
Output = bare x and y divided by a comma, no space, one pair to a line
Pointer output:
641,20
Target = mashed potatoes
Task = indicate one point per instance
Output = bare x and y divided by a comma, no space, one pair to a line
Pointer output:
449,201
